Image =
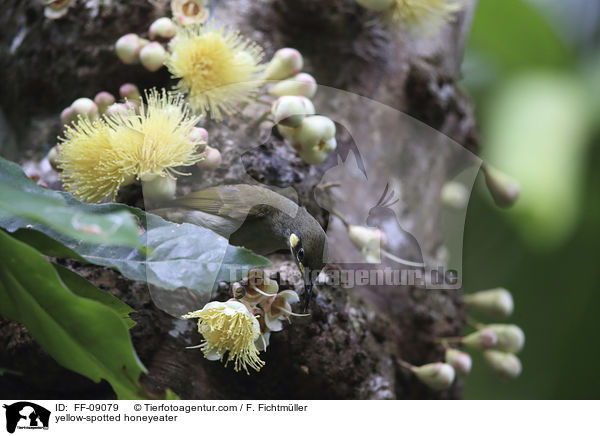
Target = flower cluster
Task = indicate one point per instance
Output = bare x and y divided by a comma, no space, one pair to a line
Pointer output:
241,327
98,156
417,16
229,328
313,136
217,67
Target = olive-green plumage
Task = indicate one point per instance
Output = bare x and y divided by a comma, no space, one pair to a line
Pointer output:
258,219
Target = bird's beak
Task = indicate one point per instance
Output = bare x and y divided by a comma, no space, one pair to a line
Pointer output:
308,286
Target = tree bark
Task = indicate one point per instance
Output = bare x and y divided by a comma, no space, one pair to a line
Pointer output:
349,347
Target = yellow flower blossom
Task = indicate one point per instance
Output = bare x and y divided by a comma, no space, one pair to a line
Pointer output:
229,327
98,157
422,16
218,68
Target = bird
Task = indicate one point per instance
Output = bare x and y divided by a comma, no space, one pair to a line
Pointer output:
258,219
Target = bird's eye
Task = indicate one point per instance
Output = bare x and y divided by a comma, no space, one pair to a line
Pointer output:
300,255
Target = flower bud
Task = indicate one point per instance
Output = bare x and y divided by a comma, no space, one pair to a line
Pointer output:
153,56
459,360
368,240
495,303
510,337
301,84
67,116
318,155
212,159
187,12
159,188
198,135
505,190
237,290
481,340
56,9
103,100
285,63
162,28
436,375
117,109
288,133
455,195
375,5
128,48
291,110
85,107
53,156
130,92
505,365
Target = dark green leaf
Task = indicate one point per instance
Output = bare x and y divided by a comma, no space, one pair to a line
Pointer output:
80,286
83,335
23,203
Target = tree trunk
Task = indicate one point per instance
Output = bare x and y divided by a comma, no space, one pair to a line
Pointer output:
349,347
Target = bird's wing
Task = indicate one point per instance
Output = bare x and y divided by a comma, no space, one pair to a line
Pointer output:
237,201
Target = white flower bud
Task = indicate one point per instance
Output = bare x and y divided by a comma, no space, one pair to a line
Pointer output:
481,340
511,338
162,28
117,109
159,188
288,133
368,240
285,63
85,107
53,156
67,116
436,375
128,48
301,84
375,5
495,303
455,195
291,110
130,92
315,130
56,9
505,365
103,100
504,189
316,155
212,159
459,360
153,56
198,135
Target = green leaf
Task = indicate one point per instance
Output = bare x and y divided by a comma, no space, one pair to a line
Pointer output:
500,29
80,286
23,203
83,335
182,262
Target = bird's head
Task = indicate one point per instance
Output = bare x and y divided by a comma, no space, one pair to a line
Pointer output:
308,243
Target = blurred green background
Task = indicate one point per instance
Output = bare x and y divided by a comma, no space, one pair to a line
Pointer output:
533,69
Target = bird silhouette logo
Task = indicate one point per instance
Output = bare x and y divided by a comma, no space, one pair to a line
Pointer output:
26,415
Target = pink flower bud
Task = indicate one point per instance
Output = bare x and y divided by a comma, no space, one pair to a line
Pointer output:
285,63
103,100
212,159
85,107
130,92
128,48
67,116
460,361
